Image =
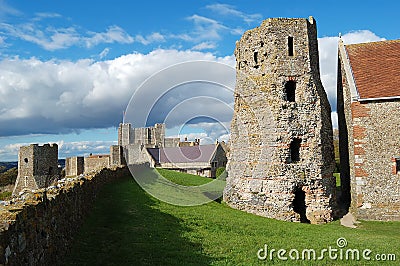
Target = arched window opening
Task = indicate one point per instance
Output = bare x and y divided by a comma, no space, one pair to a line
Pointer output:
299,204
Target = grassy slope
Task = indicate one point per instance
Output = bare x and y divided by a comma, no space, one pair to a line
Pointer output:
128,227
183,178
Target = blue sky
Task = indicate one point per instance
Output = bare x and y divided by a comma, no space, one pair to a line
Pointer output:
69,68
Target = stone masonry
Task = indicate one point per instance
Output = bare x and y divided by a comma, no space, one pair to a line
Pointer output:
134,141
38,227
37,167
94,163
281,156
369,128
74,166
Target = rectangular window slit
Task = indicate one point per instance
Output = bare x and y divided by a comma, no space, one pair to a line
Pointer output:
290,46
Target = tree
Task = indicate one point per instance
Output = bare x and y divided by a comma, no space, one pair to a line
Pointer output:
9,177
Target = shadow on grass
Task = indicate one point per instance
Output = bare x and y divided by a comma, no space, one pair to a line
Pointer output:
125,228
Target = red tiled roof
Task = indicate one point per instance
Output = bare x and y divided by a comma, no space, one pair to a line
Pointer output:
376,68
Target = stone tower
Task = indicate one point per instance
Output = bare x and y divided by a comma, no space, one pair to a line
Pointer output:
37,167
125,134
281,156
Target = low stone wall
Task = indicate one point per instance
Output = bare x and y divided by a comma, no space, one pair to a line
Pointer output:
37,228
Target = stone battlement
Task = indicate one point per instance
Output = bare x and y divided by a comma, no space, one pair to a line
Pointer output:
37,167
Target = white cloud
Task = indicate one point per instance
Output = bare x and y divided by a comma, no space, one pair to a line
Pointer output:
204,46
45,15
215,131
361,36
11,149
113,34
104,53
228,10
5,10
204,34
52,38
151,38
237,31
328,47
206,28
84,148
334,118
62,96
328,57
65,149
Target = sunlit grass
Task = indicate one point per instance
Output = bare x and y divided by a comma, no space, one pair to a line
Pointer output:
129,227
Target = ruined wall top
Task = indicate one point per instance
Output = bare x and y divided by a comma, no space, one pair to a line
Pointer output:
276,45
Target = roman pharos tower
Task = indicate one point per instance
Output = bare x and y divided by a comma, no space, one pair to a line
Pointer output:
281,156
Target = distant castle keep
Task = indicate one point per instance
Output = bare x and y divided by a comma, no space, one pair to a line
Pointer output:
37,167
134,141
281,155
150,146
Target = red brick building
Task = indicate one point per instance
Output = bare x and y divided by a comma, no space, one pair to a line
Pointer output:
369,128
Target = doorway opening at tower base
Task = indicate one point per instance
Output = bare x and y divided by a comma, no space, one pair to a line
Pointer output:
299,204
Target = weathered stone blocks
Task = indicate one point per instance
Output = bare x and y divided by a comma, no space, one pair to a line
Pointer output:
37,228
281,159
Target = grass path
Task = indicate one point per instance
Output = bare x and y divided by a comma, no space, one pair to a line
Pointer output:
128,227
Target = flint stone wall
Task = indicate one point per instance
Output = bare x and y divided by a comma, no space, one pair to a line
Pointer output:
38,231
262,177
375,186
96,163
37,167
369,146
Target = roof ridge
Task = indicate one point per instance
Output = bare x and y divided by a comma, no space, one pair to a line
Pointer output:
373,43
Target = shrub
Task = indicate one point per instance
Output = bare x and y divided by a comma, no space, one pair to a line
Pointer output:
220,171
5,195
9,177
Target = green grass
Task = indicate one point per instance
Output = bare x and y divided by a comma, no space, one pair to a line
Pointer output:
337,176
129,227
184,178
5,195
